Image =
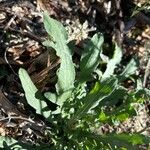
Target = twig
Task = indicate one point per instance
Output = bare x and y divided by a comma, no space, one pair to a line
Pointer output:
7,26
5,29
19,118
33,125
119,30
5,57
147,72
24,33
10,22
19,16
44,72
27,34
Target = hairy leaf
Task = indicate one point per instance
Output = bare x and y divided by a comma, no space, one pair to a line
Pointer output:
66,72
33,96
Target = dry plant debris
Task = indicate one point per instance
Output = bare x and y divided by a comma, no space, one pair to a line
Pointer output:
21,37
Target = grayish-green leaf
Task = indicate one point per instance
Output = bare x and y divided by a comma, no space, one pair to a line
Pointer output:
132,140
116,141
51,96
55,99
139,84
33,96
10,142
129,69
98,93
91,56
66,72
111,65
114,97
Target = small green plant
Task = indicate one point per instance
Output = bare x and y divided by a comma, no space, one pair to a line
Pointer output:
82,108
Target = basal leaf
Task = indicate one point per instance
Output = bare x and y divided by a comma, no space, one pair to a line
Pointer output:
54,28
111,65
142,94
6,142
66,72
51,96
98,93
134,139
129,69
117,141
33,96
114,141
91,56
114,97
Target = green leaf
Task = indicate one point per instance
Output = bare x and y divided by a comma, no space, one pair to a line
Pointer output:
117,141
33,96
8,142
111,65
114,97
98,93
147,91
125,109
66,72
12,144
54,28
133,139
111,141
91,56
122,116
51,96
142,94
103,117
118,114
129,70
